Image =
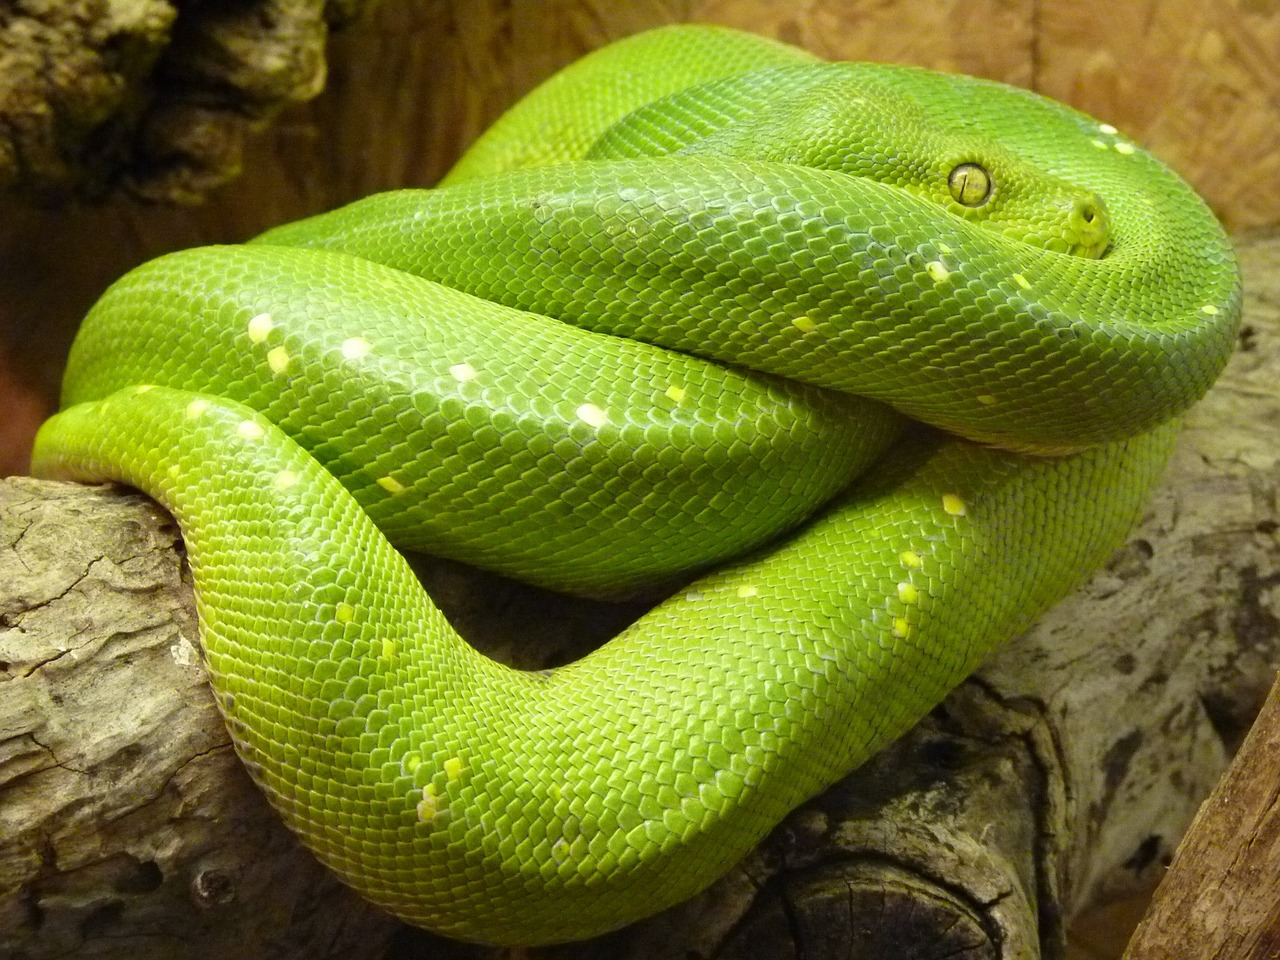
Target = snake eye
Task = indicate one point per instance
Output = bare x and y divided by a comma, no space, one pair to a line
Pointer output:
970,184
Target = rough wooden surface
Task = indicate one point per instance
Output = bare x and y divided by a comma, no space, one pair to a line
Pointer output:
1063,775
147,96
411,84
1222,894
1221,897
128,827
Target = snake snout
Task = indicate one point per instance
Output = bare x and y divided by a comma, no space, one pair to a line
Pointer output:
1088,226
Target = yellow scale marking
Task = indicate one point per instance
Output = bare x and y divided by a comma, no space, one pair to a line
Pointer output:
278,359
354,348
259,327
591,415
391,485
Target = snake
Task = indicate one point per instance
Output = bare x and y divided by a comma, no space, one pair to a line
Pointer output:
853,369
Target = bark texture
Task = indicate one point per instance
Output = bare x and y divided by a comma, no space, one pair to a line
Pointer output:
1062,775
151,95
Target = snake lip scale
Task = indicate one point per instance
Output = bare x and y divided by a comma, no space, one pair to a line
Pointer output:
861,367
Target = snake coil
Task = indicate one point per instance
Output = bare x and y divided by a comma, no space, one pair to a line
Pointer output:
672,304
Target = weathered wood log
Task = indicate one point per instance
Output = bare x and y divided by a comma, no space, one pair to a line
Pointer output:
128,826
149,95
1062,775
1221,897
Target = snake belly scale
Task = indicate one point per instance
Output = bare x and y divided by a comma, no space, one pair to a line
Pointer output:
670,306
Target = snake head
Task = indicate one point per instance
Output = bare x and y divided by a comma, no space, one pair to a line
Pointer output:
844,118
1000,192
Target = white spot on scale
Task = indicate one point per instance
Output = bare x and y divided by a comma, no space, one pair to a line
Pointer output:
1125,148
353,348
286,479
937,271
278,359
259,327
591,415
197,408
428,806
250,429
391,485
1107,128
462,372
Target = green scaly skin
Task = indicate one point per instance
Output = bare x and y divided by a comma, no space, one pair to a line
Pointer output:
530,808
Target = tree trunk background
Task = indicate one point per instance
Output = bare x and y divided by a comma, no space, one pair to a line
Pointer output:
121,99
1060,777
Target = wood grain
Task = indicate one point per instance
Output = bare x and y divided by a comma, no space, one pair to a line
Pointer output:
1221,898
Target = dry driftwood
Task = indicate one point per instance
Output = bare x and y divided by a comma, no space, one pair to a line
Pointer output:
1063,774
1221,898
153,95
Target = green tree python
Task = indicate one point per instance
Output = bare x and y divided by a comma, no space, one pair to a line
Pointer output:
660,321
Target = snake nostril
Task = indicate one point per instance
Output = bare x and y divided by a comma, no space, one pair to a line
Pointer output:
1090,215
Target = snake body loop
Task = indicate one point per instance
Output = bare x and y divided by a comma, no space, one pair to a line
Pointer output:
487,370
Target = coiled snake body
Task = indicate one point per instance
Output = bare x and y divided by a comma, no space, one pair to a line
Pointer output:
768,263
